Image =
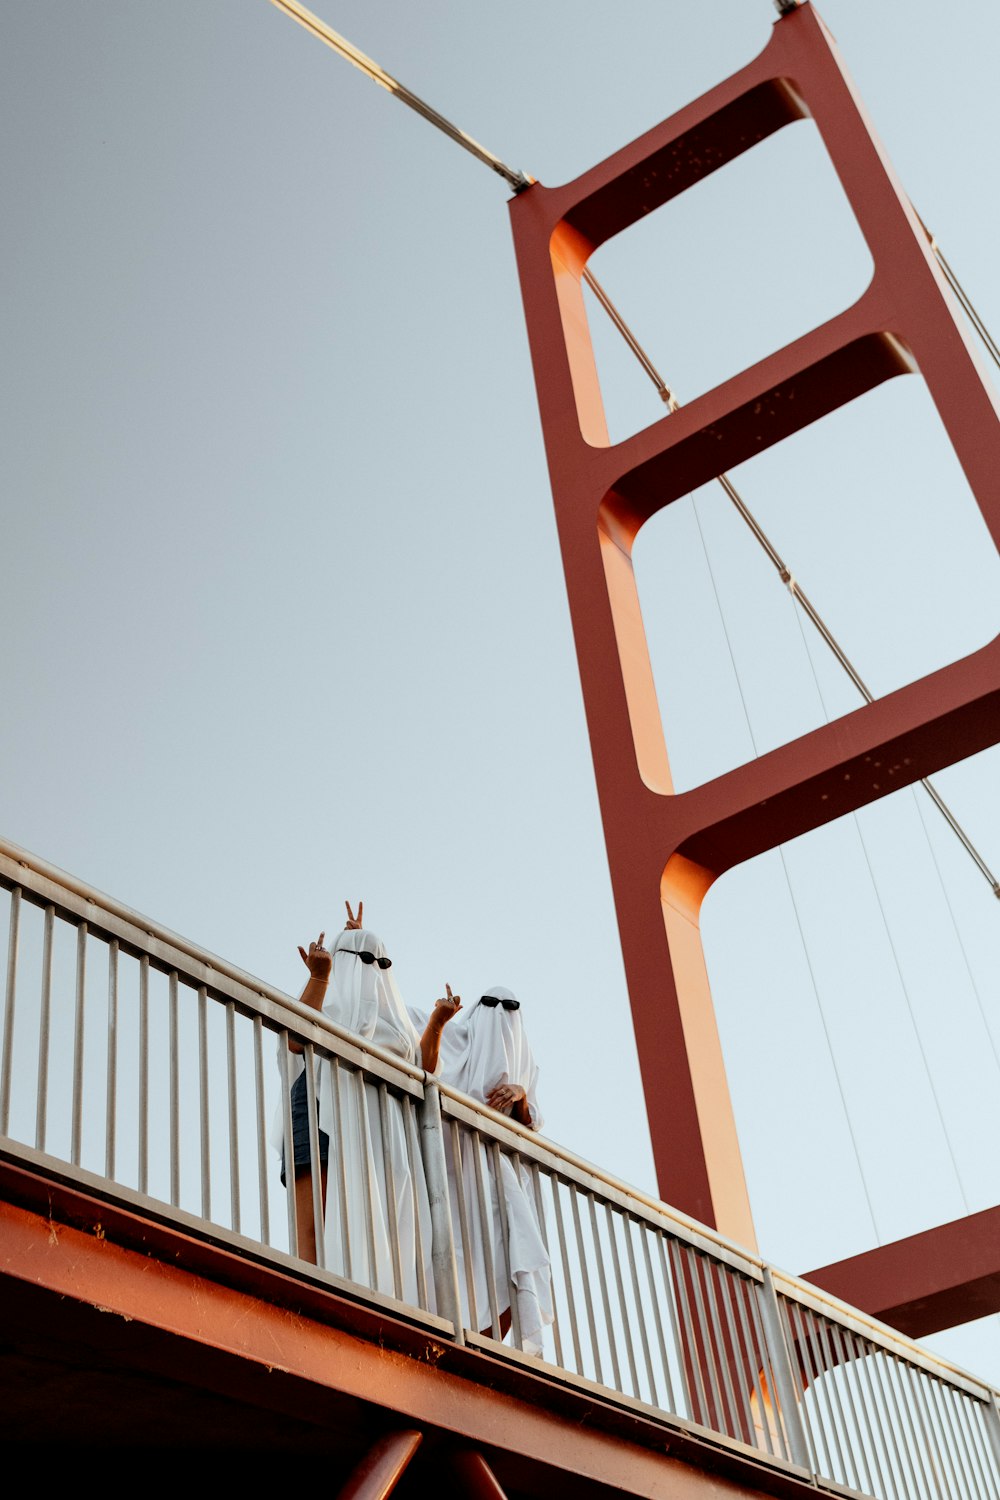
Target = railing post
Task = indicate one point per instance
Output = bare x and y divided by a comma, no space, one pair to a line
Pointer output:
7,1049
992,1415
449,1303
288,1143
781,1363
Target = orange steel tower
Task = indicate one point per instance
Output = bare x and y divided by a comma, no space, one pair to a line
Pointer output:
665,848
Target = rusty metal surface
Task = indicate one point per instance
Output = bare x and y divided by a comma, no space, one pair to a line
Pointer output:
666,849
108,1337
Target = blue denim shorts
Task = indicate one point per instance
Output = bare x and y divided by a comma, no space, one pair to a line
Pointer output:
300,1130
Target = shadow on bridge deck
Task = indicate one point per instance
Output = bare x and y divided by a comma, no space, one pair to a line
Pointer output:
123,1335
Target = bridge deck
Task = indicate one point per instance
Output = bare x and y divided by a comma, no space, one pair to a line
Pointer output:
121,1332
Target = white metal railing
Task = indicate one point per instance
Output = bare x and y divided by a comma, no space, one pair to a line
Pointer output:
137,1063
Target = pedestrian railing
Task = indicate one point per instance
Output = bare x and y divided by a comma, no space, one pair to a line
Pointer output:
149,1070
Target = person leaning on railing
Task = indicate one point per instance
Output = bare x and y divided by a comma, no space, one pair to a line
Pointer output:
487,1056
352,984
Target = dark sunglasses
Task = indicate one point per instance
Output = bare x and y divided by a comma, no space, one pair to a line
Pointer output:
494,1000
368,958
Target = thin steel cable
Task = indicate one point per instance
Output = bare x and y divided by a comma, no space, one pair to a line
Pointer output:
958,931
965,300
663,390
516,180
725,627
791,892
785,573
913,1022
797,595
892,947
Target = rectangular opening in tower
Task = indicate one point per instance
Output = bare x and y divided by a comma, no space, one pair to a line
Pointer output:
753,256
871,512
853,975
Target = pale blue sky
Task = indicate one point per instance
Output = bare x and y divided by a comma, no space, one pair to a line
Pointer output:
282,598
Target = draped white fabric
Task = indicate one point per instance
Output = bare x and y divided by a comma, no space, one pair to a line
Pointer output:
376,1198
481,1050
492,1049
363,997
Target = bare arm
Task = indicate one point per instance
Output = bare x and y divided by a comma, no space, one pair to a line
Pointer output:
430,1042
319,963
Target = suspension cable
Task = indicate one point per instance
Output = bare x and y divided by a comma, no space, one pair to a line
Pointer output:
664,392
965,301
891,941
515,179
784,572
796,912
966,304
518,181
894,952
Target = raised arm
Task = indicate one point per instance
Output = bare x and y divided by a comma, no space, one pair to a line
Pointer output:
319,962
430,1042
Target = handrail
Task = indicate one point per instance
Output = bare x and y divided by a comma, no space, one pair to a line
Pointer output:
884,1334
530,1144
135,926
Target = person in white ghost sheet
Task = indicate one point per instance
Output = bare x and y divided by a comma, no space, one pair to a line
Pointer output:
486,1055
353,985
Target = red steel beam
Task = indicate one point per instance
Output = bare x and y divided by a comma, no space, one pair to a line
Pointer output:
665,849
475,1477
258,1335
381,1469
928,1281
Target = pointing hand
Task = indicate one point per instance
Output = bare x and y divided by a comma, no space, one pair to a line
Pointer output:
319,960
449,1006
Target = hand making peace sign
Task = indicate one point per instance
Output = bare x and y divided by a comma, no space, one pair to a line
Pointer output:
354,923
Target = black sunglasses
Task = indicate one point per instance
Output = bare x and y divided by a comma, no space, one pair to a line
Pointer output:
368,958
494,1000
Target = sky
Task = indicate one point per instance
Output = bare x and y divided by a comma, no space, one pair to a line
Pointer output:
283,606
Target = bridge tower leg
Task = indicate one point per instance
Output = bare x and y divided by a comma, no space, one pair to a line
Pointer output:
665,848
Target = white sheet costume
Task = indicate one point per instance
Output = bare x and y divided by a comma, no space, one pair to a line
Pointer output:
369,1165
479,1051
